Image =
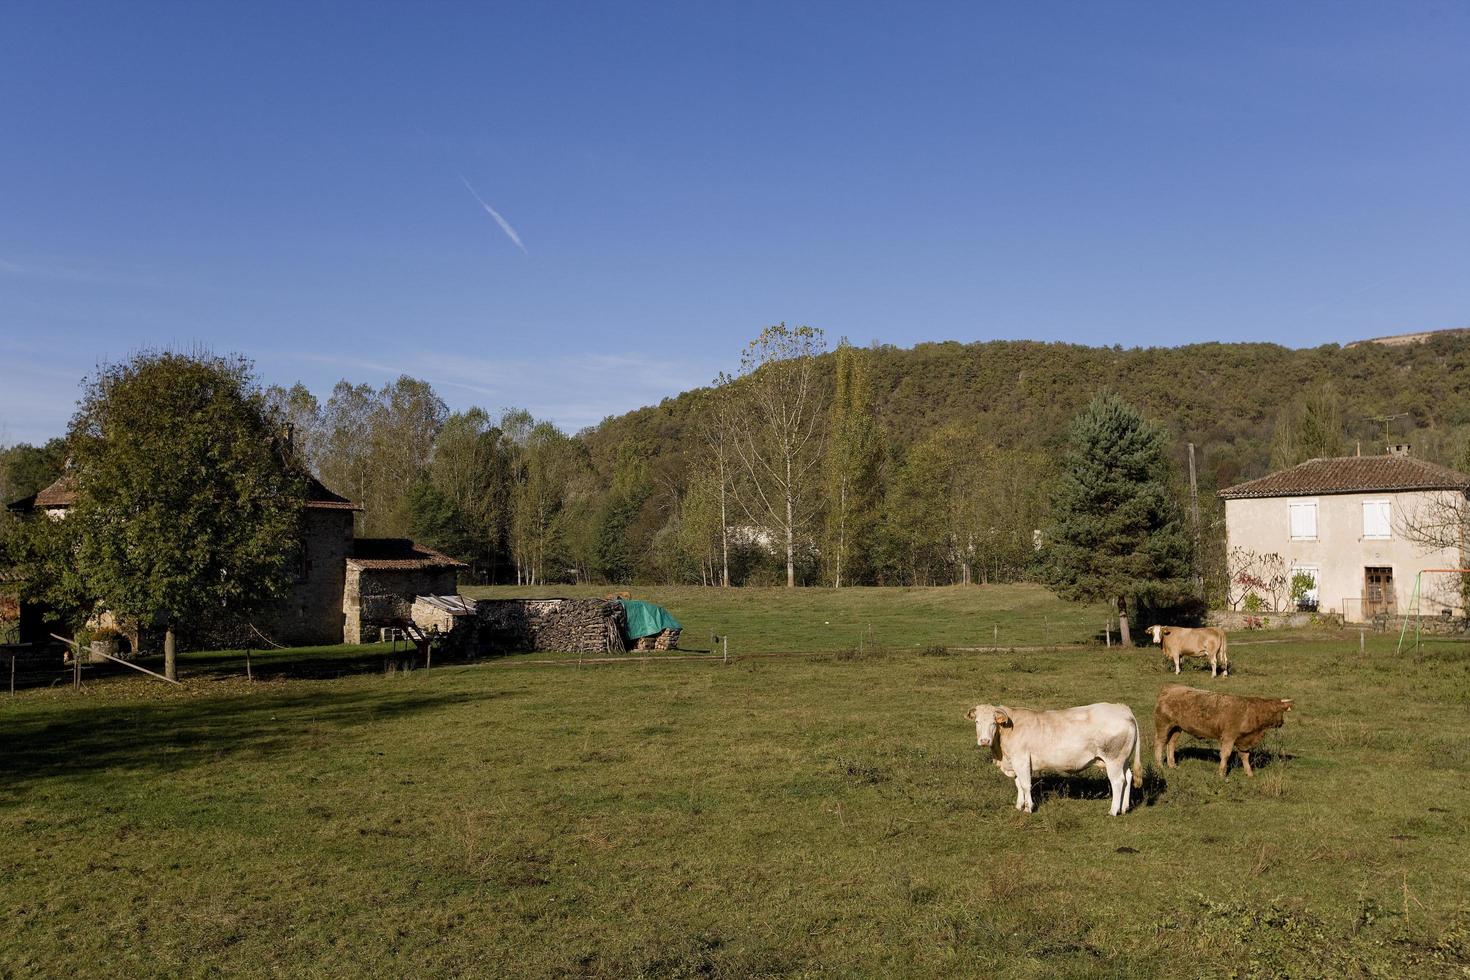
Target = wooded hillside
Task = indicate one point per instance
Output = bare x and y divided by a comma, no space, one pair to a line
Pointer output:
1228,399
927,465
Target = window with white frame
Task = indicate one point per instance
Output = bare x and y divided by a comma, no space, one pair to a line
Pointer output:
1311,592
1303,520
1378,519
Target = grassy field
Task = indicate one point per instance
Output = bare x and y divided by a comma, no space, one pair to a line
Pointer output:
785,621
805,815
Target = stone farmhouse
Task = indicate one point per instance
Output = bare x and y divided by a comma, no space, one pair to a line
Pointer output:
345,586
1344,520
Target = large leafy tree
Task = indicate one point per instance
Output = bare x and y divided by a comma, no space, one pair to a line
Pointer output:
471,468
188,505
1117,533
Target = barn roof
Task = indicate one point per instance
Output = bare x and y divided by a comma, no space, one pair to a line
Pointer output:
62,494
1352,474
400,554
318,497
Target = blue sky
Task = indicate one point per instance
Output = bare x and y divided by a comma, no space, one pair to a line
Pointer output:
284,180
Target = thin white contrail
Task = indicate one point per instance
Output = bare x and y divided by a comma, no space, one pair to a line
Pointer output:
504,225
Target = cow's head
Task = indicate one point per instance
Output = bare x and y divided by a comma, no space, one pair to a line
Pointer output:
988,720
1158,633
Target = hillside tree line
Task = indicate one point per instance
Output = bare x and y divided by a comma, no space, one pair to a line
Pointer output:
940,464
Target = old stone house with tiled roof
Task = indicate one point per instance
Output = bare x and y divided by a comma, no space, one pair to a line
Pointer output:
344,585
1346,521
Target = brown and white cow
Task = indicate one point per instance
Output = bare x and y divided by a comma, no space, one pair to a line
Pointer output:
1025,743
1237,723
1182,641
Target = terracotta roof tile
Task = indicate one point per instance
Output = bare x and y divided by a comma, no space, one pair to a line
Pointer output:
1351,474
381,554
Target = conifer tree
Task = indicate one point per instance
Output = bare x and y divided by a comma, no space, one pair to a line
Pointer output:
1117,532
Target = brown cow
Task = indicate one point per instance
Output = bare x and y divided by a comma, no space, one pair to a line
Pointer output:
1237,723
1204,641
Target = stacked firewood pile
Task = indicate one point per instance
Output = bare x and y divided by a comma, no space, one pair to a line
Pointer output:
665,640
561,625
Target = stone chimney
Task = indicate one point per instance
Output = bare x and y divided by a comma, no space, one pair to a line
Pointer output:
1398,449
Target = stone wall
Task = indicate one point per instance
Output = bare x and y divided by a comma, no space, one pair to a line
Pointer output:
375,597
1231,620
312,613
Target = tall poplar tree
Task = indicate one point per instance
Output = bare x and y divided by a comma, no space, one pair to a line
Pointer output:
1311,427
851,477
1117,533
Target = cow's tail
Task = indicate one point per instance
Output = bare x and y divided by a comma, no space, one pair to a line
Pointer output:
1137,756
1224,657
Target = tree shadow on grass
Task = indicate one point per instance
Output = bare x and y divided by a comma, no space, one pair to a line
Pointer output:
313,663
154,737
46,670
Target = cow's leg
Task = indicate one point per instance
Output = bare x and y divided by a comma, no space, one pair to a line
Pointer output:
1020,795
1127,788
1245,760
1214,666
1173,744
1227,746
1023,784
1161,735
1118,777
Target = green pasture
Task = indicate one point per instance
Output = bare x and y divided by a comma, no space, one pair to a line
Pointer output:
776,620
809,815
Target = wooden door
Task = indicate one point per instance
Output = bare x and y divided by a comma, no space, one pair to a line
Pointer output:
1378,598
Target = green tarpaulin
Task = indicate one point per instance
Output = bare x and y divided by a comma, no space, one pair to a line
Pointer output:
646,619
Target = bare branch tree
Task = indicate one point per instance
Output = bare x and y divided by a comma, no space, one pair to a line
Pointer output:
778,431
1440,522
718,414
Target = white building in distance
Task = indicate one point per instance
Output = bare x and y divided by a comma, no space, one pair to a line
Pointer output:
1344,521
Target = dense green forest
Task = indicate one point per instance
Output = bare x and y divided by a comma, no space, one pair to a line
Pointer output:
925,465
1233,401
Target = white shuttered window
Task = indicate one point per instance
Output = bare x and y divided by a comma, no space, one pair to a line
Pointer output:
1377,519
1303,520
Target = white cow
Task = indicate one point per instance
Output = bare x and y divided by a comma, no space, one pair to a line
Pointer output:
1024,743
